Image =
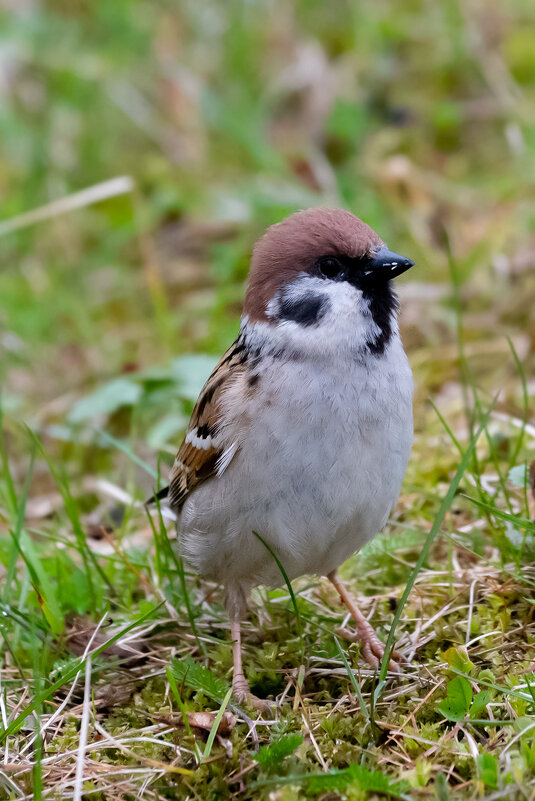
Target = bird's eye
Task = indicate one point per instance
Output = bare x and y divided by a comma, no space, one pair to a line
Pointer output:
330,267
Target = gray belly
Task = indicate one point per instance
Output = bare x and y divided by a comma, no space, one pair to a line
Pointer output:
316,476
314,509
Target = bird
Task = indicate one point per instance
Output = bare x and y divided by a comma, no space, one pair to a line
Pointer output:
301,435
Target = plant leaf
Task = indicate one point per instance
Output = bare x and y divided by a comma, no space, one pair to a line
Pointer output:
518,475
271,756
166,430
191,372
458,699
106,400
479,703
487,766
458,658
371,780
198,677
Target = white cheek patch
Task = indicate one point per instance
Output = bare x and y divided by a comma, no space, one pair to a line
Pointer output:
346,323
203,443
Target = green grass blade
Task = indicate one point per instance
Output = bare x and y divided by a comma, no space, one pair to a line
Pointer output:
353,680
11,495
215,727
121,446
162,540
521,522
525,403
439,519
286,581
67,675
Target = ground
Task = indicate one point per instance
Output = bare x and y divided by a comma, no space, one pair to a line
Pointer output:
193,126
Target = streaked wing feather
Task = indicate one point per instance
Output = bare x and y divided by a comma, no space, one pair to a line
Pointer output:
198,457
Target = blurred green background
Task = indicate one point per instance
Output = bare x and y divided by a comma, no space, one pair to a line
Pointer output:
418,116
144,147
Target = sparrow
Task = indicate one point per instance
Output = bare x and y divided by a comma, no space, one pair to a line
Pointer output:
303,431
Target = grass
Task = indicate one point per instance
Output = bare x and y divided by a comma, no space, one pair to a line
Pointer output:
144,150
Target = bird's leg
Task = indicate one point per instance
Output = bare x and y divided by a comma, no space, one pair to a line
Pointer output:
240,685
372,648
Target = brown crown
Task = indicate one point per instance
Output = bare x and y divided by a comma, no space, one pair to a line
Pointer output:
295,244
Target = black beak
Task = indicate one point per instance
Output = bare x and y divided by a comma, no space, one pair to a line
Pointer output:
386,265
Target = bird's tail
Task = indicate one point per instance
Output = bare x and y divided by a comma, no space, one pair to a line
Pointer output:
158,496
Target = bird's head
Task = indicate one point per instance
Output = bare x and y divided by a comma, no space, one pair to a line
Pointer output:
325,272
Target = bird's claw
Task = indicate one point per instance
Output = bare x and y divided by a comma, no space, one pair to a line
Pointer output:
373,649
243,695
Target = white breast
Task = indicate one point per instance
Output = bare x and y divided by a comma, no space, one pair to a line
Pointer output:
323,447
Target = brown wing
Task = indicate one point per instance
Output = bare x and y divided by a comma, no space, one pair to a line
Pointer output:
199,455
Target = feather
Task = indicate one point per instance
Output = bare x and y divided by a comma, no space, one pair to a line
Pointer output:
200,455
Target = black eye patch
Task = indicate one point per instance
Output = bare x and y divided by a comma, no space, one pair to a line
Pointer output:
342,268
331,268
307,309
